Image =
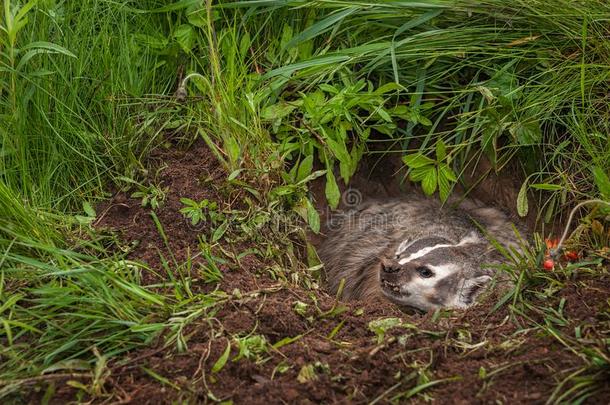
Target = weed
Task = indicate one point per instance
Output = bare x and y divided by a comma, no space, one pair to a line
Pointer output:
203,210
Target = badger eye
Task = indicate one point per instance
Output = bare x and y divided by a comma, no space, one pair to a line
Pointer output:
424,272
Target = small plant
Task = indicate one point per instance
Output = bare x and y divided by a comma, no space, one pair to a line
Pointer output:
152,196
335,122
251,347
432,173
201,211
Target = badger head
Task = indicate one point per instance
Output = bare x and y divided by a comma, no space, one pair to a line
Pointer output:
434,272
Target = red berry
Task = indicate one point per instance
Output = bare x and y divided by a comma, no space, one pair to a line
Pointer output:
571,256
548,264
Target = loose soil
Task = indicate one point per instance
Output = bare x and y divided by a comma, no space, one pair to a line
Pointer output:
472,356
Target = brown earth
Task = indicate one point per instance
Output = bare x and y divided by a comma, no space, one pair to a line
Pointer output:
473,356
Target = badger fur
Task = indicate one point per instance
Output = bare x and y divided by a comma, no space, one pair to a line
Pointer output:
414,252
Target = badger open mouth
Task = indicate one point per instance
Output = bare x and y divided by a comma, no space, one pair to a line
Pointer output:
390,287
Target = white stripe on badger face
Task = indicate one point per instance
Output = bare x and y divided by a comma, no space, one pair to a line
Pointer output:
471,238
403,246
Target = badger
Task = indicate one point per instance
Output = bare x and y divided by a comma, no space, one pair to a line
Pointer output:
415,252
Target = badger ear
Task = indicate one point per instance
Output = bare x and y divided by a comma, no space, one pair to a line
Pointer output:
471,288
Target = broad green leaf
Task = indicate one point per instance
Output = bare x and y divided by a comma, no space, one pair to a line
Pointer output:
388,87
88,209
244,45
445,178
277,111
313,218
526,133
601,181
417,160
420,173
339,150
429,182
505,84
185,36
312,176
188,201
196,16
447,172
550,210
283,190
329,88
220,231
332,190
384,115
441,150
522,205
304,168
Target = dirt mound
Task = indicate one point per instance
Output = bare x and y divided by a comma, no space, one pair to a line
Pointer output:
290,344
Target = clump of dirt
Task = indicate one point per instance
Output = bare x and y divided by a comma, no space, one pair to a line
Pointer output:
291,344
180,174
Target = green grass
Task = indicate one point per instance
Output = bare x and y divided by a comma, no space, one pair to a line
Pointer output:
88,91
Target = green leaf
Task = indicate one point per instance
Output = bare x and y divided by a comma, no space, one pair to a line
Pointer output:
220,231
447,172
321,27
88,209
277,111
332,190
388,87
381,326
222,360
313,218
304,168
384,115
522,205
185,36
307,374
601,181
420,173
179,5
329,88
244,45
441,150
232,148
526,133
445,178
189,202
339,150
288,70
417,160
429,182
546,186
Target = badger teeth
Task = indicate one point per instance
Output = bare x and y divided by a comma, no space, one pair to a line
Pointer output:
390,286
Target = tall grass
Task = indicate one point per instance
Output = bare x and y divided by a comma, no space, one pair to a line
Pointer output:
75,77
518,78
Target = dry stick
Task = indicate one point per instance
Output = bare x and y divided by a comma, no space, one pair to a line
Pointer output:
555,252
